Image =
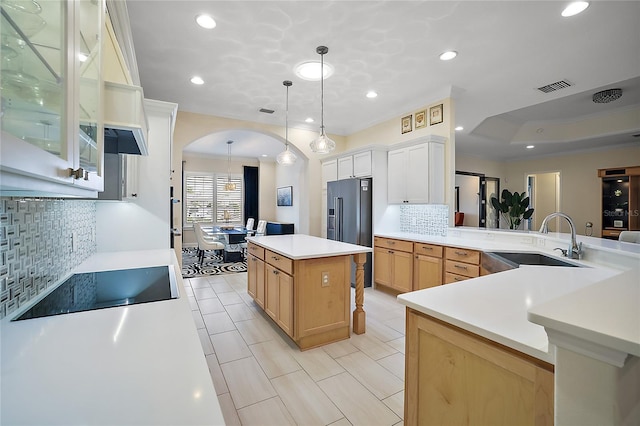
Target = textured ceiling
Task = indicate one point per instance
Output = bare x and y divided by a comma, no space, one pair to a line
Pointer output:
506,50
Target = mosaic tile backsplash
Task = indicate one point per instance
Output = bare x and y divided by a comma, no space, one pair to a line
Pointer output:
426,219
35,245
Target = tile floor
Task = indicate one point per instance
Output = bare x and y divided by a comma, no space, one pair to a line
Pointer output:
262,378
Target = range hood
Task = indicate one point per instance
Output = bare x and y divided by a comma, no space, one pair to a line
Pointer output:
125,122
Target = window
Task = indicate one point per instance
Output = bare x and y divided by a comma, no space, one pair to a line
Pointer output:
206,200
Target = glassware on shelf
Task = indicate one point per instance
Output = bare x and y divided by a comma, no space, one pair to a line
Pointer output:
24,14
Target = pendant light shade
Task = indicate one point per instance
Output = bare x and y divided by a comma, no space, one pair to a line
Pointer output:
286,157
322,144
229,186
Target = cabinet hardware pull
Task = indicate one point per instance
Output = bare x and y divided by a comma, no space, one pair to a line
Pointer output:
392,242
460,267
427,248
275,258
461,253
390,251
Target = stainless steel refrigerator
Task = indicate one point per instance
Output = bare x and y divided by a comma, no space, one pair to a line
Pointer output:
349,217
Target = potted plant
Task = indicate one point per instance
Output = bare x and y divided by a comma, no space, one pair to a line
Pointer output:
513,208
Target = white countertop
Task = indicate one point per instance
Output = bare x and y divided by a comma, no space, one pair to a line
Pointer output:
139,364
300,246
586,302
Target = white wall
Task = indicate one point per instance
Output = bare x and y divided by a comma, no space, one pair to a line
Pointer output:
294,176
143,224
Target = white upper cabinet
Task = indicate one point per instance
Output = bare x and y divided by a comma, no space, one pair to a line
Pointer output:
356,165
329,172
416,174
52,134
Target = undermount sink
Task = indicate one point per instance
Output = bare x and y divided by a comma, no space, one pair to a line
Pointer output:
520,258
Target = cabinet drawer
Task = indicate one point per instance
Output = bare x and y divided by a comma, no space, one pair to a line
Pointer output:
462,268
279,261
256,250
463,255
390,243
453,278
427,249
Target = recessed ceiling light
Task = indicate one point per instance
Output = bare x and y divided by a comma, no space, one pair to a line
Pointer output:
309,120
197,80
310,70
448,55
530,146
371,94
206,21
265,155
574,8
459,128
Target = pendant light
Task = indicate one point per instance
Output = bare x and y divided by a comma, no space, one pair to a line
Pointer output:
286,157
229,186
322,144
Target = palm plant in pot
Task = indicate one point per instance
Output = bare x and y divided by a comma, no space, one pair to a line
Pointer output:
513,208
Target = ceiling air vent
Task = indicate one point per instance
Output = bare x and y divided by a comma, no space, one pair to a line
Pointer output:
266,111
555,86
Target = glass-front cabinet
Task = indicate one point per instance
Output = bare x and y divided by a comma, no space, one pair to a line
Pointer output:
51,87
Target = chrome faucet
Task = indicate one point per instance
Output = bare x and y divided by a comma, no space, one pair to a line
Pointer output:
575,249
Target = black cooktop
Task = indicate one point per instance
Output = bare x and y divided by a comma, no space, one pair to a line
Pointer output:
107,289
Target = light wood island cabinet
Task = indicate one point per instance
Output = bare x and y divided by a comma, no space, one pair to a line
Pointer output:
456,377
307,292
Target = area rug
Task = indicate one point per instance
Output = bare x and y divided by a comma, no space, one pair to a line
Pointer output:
212,264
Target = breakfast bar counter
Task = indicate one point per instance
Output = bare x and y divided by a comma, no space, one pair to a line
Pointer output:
304,284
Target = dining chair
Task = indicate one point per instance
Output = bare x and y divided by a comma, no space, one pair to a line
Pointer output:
205,243
249,225
261,228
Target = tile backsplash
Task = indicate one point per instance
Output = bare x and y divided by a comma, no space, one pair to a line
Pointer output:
36,245
426,219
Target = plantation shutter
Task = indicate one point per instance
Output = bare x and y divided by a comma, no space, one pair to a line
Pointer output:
199,198
230,201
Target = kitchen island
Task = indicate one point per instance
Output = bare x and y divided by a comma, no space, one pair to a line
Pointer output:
136,364
507,348
304,284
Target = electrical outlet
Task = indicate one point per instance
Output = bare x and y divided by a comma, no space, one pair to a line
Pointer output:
325,279
74,242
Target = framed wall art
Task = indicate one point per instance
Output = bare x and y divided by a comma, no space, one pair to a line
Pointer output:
285,196
435,115
421,119
405,124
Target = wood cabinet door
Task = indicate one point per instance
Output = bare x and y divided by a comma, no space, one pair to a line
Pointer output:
382,266
251,276
285,303
455,377
427,272
271,291
402,271
260,283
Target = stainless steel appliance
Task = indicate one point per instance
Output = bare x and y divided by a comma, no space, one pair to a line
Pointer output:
349,218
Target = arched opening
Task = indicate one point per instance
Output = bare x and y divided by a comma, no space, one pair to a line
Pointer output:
209,156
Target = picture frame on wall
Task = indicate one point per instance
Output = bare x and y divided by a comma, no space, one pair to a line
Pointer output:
405,124
421,119
435,115
285,196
